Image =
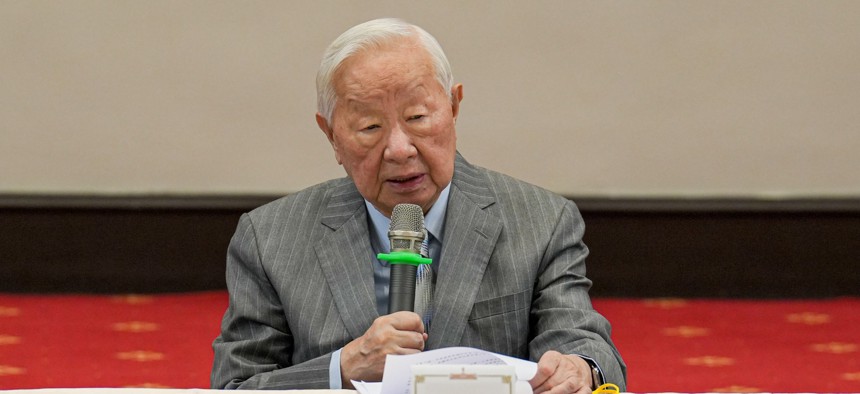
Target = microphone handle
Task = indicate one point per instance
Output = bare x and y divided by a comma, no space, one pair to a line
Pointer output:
401,290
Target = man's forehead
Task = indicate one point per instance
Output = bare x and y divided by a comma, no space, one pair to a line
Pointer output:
360,94
368,81
384,66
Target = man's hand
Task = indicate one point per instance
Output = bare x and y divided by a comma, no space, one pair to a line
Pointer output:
364,358
559,373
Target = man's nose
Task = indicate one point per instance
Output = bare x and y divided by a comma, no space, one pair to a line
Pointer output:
399,147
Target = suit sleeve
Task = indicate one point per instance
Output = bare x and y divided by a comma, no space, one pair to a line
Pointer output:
255,346
563,317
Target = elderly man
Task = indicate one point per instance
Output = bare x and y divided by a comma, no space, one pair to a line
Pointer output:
307,294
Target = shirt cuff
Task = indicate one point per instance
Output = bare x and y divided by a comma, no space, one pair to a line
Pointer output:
334,379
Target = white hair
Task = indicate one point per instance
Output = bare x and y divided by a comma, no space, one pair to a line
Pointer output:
373,34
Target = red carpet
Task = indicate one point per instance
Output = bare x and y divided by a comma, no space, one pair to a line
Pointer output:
669,345
738,346
105,341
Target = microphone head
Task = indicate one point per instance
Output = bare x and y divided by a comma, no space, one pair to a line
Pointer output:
406,231
407,217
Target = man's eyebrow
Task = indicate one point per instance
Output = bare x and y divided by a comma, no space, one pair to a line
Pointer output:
361,97
358,104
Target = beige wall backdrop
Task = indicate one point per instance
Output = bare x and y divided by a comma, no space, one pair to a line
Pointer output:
639,98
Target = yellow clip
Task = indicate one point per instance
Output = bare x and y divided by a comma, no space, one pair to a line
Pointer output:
607,388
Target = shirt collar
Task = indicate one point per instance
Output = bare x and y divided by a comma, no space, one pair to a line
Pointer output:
434,221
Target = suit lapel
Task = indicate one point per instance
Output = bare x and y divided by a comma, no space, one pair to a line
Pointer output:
346,258
471,232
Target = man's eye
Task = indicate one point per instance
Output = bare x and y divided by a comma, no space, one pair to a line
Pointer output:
371,127
414,117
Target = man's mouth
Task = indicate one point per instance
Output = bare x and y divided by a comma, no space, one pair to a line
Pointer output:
404,179
406,182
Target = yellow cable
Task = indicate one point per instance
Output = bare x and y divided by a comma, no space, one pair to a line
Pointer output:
607,388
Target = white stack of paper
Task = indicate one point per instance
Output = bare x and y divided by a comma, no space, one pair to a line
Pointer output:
397,375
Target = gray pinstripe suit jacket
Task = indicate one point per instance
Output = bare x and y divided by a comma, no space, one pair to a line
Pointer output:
511,281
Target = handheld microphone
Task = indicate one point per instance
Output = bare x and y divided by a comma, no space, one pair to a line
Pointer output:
406,234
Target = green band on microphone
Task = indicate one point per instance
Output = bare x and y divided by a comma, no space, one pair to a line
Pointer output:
404,258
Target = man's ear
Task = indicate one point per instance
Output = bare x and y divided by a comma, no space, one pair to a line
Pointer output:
456,98
329,133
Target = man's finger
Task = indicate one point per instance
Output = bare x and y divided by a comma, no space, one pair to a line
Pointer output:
406,321
546,368
409,340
